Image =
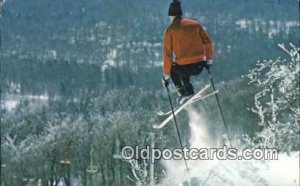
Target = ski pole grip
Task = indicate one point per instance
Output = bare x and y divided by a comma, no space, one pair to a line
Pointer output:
165,82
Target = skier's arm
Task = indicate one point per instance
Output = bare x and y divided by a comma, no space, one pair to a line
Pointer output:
167,53
207,43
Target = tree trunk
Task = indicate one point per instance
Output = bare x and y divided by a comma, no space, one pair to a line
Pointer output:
103,175
84,178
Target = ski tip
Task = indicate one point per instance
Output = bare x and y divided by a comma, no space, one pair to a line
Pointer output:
155,126
160,113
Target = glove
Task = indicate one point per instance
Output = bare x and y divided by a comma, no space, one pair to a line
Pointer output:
208,63
165,80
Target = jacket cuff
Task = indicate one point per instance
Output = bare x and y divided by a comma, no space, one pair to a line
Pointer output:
166,76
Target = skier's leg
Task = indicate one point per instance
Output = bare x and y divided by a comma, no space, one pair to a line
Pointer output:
187,85
180,75
187,71
176,76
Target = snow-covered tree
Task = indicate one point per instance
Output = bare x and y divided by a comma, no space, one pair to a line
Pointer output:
277,101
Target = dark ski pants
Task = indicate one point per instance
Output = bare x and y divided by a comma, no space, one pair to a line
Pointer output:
180,75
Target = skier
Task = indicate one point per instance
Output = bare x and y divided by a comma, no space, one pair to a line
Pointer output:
187,49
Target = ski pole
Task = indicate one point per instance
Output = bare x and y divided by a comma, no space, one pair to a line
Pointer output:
176,125
217,98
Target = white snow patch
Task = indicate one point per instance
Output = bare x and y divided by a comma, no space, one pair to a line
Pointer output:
284,171
110,62
241,23
10,104
271,28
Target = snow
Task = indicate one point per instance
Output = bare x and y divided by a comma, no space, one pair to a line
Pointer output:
110,62
271,28
284,171
1,4
242,24
50,54
10,102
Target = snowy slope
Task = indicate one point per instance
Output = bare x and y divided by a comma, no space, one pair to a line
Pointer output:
281,172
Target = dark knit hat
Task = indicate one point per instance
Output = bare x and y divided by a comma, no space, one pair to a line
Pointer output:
175,9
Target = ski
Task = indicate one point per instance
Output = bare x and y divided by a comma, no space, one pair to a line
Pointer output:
205,96
195,97
169,113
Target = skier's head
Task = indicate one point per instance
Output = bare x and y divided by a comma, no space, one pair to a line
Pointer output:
175,9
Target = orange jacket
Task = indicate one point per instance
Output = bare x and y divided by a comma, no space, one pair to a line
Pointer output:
185,42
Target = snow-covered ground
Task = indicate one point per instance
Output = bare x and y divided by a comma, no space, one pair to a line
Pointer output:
10,102
281,172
